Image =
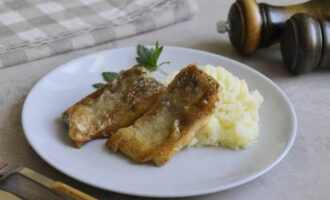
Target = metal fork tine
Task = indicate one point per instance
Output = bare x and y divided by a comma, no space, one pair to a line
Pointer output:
6,169
2,165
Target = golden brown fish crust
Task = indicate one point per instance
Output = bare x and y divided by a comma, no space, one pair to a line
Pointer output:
117,104
173,120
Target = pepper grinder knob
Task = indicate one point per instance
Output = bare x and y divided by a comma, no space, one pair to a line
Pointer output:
223,26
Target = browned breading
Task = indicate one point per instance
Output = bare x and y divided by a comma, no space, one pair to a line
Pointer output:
118,104
173,120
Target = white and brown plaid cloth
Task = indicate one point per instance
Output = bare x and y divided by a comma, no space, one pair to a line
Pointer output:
33,29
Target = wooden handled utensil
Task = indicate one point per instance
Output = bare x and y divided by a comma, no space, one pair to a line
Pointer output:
7,170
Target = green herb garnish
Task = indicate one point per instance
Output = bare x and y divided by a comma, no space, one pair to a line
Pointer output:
147,58
109,76
98,85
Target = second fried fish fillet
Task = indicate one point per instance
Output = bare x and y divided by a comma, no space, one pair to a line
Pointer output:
117,104
173,120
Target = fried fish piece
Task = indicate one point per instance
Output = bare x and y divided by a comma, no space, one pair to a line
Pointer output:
117,104
173,120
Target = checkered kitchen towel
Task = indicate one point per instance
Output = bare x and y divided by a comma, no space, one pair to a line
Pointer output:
33,29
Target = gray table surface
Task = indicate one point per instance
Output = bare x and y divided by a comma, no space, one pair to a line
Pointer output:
303,174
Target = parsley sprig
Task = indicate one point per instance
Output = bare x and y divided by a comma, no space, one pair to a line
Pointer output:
146,57
107,76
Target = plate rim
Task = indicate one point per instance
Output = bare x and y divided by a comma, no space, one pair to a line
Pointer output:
184,194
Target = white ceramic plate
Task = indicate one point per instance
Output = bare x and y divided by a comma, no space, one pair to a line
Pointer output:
193,171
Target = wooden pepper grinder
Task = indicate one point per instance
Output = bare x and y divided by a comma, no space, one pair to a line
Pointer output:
251,25
305,44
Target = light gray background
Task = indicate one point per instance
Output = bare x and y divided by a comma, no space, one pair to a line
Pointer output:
303,174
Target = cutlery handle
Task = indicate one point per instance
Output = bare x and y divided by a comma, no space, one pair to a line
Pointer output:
70,191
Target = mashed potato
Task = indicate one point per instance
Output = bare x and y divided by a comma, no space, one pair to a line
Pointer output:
235,122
